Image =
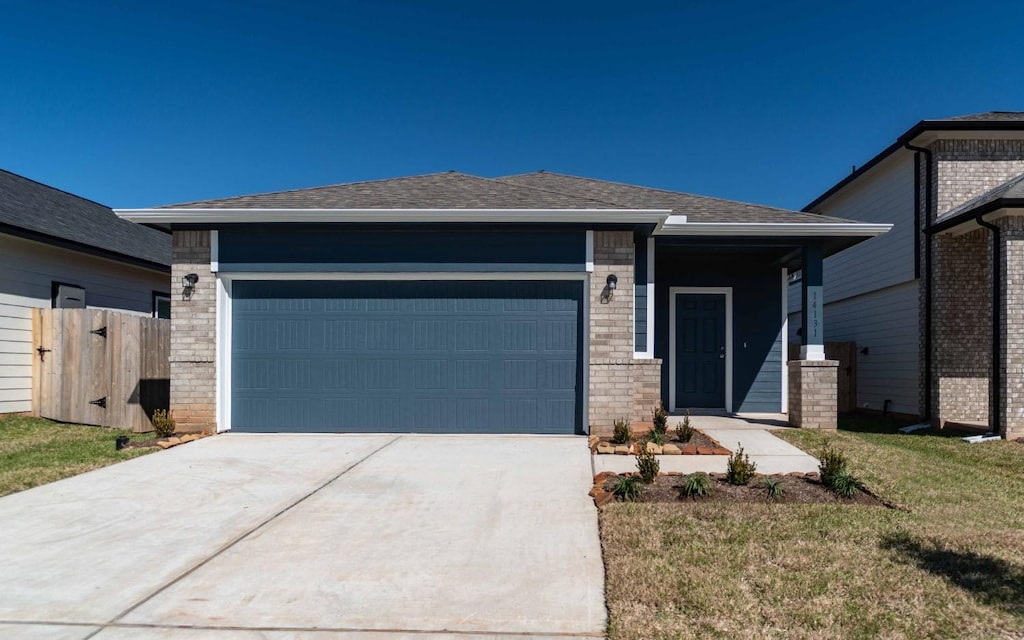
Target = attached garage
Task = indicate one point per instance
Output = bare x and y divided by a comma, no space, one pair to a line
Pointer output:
431,356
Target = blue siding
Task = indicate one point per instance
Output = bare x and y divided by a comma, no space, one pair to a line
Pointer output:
640,296
305,250
757,319
442,357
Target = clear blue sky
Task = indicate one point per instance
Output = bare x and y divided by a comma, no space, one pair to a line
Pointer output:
141,103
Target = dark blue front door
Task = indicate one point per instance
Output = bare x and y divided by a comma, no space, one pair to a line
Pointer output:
440,357
700,350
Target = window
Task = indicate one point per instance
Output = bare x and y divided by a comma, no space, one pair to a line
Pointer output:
161,305
66,296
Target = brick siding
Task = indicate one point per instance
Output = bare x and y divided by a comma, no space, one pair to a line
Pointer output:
813,394
193,335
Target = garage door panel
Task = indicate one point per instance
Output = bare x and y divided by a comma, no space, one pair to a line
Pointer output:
407,356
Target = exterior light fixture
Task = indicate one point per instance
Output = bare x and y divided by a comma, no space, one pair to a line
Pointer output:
609,288
188,285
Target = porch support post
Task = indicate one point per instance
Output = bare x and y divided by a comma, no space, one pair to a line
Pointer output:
813,380
812,307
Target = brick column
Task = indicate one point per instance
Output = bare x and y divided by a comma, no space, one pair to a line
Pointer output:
813,399
1011,406
193,335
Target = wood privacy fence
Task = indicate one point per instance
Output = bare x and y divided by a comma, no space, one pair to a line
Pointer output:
846,354
99,367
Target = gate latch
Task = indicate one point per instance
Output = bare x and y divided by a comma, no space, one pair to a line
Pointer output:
100,402
101,332
42,351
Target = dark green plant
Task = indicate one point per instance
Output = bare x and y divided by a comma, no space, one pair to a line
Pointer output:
684,430
657,437
740,469
627,488
831,461
660,418
696,485
163,423
774,488
844,484
646,463
621,433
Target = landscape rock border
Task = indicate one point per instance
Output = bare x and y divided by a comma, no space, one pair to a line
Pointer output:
602,446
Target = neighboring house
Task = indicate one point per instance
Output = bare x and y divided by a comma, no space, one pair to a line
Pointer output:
59,250
958,182
539,303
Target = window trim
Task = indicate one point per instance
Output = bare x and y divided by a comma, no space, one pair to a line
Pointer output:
158,295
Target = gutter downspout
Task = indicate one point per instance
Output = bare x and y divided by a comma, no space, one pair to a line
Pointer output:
995,419
927,272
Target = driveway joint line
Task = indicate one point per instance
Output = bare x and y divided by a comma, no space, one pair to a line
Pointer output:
200,627
243,536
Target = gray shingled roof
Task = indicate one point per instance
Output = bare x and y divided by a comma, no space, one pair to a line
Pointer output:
31,206
449,190
696,208
539,190
988,116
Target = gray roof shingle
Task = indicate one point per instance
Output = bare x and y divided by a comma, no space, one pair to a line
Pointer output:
448,190
37,208
696,208
988,116
538,190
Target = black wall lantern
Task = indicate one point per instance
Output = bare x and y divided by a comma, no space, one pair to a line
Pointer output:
611,282
188,285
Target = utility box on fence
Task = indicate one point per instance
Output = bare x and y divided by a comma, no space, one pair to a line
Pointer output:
97,367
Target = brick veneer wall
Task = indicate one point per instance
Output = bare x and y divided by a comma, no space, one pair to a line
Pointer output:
1012,324
961,328
620,386
813,393
193,335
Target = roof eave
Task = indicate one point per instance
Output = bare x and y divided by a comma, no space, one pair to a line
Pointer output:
760,229
970,215
264,215
910,137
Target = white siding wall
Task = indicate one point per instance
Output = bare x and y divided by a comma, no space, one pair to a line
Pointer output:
871,295
27,270
884,321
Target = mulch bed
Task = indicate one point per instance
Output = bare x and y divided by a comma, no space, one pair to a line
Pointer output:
797,489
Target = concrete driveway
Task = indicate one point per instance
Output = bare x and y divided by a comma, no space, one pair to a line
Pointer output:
312,536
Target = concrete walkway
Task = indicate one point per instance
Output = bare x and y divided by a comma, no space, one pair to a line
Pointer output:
772,454
312,536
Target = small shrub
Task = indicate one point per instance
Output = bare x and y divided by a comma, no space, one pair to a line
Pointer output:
845,485
684,430
647,463
696,485
831,461
163,423
621,433
774,488
660,419
627,488
740,469
656,437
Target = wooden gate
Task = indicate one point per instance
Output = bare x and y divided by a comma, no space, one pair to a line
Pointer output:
846,354
100,367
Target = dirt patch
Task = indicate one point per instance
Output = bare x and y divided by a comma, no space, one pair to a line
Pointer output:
805,489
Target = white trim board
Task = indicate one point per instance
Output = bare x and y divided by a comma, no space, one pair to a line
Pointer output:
223,320
496,216
672,293
648,354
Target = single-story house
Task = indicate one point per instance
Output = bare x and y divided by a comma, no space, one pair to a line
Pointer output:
535,303
919,301
60,250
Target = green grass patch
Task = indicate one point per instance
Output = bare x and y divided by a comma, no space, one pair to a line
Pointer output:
34,451
951,566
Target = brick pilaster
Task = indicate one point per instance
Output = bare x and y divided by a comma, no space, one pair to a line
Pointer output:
813,394
193,335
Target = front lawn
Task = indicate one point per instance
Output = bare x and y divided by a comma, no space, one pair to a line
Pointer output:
951,567
34,451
